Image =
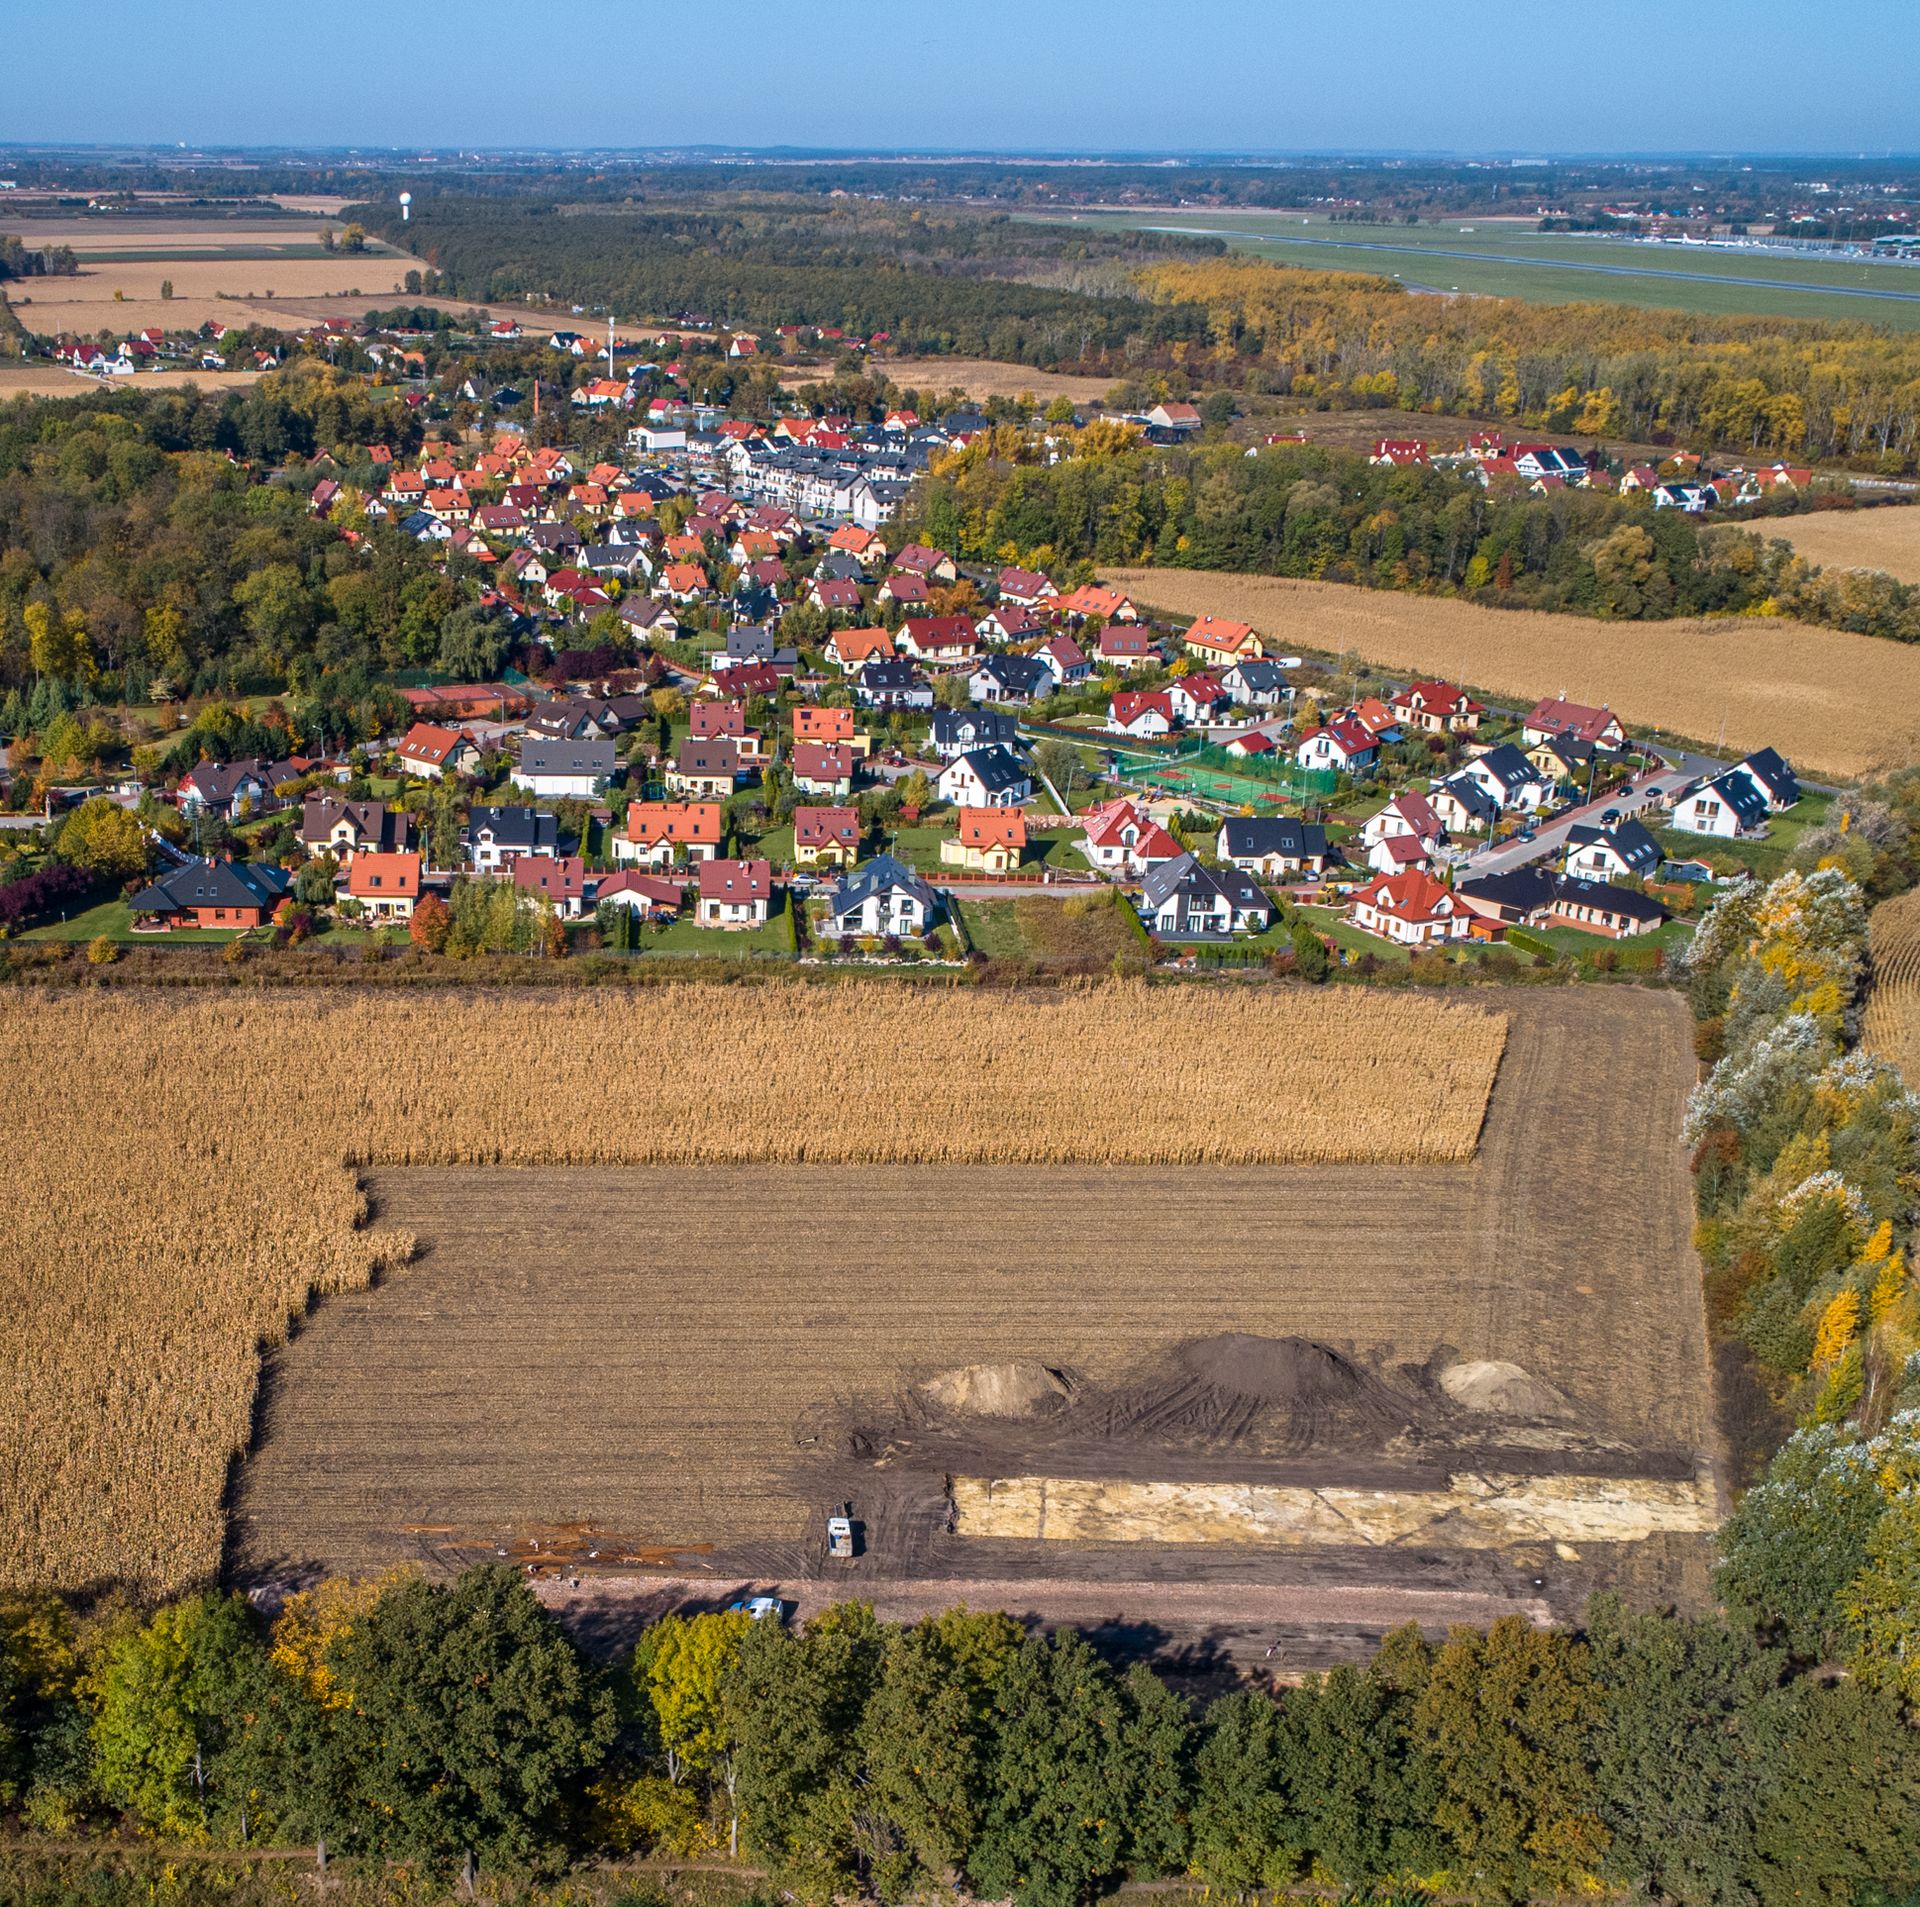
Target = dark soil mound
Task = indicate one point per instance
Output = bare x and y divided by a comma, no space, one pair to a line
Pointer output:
1295,1373
1285,1394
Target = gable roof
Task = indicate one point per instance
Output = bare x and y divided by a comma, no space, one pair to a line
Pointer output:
735,880
699,823
514,827
882,875
389,876
815,827
996,767
993,827
1260,834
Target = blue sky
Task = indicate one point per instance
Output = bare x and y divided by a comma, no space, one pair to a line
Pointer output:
1208,75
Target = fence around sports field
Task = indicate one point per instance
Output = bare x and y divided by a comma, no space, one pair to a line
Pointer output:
1215,773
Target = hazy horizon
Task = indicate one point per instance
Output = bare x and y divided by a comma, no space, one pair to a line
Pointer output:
1000,79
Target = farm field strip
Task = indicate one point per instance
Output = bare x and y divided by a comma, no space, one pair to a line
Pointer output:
1833,702
1494,260
148,1249
1891,1027
1887,538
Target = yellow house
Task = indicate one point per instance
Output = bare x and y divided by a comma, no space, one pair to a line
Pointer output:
990,840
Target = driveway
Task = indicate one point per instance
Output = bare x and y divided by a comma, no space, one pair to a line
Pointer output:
1659,785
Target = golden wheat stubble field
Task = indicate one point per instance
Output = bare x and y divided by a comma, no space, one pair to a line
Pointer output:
1887,538
1891,1027
184,1179
670,1355
1832,702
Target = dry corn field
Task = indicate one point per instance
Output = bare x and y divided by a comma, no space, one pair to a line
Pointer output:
1887,538
1892,1026
1830,701
182,1186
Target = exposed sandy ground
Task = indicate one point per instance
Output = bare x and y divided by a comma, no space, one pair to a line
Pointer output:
39,380
1831,701
983,378
1887,538
682,1367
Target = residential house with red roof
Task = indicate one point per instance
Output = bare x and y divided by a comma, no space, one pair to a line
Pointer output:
1437,708
1411,909
1219,639
1122,838
431,751
386,886
664,833
1342,743
1142,713
987,840
826,837
734,895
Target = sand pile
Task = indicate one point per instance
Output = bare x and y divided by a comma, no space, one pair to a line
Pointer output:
1022,1388
1502,1390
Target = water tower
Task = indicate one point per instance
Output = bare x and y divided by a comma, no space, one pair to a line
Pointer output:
406,208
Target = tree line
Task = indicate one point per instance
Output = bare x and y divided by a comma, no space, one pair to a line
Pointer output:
965,286
402,1720
1313,511
1788,387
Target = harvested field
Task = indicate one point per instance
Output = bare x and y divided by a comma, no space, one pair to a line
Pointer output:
225,270
1887,538
1831,701
39,380
1892,1024
981,378
183,1185
681,1366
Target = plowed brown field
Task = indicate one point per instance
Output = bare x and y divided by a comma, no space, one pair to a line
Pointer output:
1892,1024
686,1356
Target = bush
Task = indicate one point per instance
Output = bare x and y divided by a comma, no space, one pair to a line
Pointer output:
101,951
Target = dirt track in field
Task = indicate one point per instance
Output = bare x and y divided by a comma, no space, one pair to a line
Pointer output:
687,1366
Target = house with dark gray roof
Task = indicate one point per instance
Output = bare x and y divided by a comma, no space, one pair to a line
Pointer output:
1183,900
494,838
215,894
883,897
1272,844
559,769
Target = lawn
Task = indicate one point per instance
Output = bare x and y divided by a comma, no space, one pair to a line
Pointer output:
919,847
114,919
687,936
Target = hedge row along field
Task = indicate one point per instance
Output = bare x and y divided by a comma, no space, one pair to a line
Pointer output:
183,1184
1832,702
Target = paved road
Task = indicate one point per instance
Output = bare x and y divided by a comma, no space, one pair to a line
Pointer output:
1551,836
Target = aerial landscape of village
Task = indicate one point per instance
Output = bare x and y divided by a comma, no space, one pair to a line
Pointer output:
905,1001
